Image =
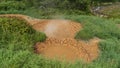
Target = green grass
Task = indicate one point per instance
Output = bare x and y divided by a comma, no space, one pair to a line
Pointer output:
44,12
17,40
117,21
96,27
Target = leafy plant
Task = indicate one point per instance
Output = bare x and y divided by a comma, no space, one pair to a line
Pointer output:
12,5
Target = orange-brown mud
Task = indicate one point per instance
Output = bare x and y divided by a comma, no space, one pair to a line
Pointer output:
69,49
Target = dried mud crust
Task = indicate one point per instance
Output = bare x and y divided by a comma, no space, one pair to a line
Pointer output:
60,43
68,49
58,28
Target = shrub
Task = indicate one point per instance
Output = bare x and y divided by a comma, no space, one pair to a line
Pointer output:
14,30
12,5
84,35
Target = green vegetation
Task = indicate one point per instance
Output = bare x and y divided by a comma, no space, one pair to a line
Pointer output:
12,7
17,38
49,7
81,5
51,13
111,10
16,42
97,27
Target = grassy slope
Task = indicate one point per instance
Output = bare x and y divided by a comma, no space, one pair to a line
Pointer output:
16,42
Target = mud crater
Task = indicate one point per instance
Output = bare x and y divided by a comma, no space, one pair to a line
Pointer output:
60,43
